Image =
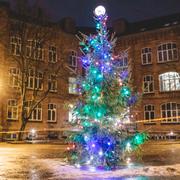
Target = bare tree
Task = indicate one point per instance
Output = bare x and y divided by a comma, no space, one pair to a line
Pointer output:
30,33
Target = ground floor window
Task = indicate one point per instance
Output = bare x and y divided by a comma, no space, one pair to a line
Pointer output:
51,112
170,111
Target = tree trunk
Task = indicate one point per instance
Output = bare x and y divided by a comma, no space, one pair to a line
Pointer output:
21,131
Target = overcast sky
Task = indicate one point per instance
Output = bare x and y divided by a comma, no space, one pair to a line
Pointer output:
131,10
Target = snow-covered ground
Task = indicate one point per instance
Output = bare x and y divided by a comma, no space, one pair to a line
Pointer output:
65,171
160,161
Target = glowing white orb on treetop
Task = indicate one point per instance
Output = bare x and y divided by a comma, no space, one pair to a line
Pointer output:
100,10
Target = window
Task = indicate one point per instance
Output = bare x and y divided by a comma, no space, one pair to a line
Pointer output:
51,112
12,109
148,84
37,112
15,45
169,81
34,50
52,54
73,60
14,77
39,81
72,116
167,52
170,111
146,56
123,62
52,83
35,81
72,86
149,112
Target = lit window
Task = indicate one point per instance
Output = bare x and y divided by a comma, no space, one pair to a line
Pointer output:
148,84
72,116
15,45
149,113
34,50
169,81
170,111
36,113
72,60
146,56
52,54
35,80
14,77
167,52
72,86
52,83
51,112
12,109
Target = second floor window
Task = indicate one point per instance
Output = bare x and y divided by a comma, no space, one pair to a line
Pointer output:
146,56
36,113
148,84
52,83
34,50
167,52
15,45
169,81
170,111
51,112
72,85
72,60
52,54
149,112
35,80
12,109
14,77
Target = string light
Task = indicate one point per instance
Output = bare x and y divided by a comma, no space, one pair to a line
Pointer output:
104,106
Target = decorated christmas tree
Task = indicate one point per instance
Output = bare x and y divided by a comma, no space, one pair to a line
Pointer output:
104,104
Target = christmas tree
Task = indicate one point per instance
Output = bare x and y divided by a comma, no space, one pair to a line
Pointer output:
104,104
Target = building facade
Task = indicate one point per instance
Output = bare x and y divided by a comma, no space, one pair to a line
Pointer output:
153,48
154,57
49,55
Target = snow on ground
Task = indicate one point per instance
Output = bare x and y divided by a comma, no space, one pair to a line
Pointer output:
63,170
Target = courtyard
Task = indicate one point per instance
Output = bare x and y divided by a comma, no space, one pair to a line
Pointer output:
159,160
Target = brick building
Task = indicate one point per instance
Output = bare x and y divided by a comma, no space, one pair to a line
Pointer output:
154,57
52,69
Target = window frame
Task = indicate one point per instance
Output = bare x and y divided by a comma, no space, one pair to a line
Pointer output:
16,45
54,81
146,54
152,110
72,86
14,78
148,84
166,52
169,110
13,109
51,111
52,54
170,81
37,109
73,58
35,79
36,50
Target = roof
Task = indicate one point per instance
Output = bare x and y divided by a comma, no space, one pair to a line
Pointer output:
142,26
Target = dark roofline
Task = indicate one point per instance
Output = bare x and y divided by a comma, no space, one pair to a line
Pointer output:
142,26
